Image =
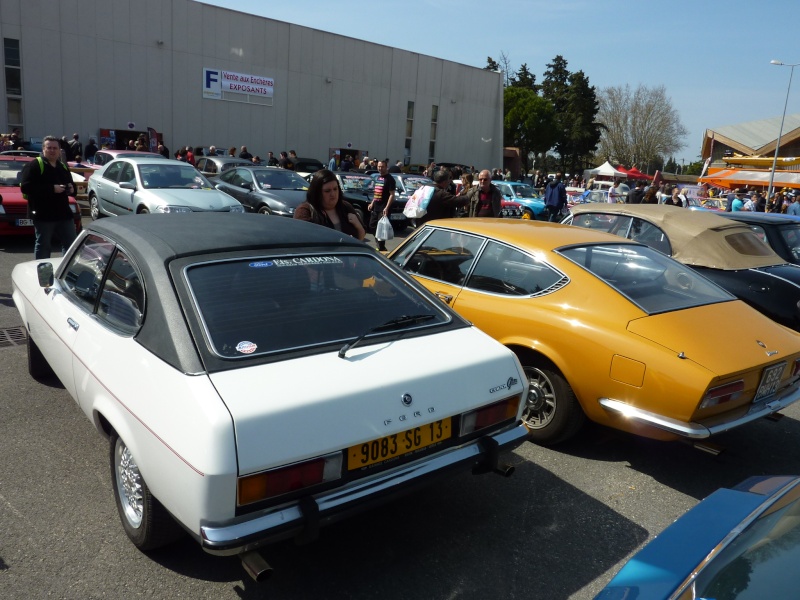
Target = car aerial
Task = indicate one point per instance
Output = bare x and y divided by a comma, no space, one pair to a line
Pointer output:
241,399
14,218
103,157
306,166
607,328
213,166
520,200
740,542
725,251
144,184
265,190
781,232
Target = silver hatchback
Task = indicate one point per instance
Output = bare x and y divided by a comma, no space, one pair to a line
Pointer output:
137,185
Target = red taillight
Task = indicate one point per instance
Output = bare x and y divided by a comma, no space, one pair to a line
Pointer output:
487,416
722,394
796,367
261,486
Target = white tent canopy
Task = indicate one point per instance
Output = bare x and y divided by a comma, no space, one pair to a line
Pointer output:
606,170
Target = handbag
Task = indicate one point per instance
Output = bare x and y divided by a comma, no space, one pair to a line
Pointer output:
384,231
417,205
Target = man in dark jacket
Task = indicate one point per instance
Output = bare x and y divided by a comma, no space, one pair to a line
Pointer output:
484,198
443,204
47,184
636,194
555,198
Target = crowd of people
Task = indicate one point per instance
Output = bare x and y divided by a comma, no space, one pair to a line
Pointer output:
456,192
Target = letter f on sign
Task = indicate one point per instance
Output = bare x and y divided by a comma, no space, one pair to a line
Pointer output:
211,76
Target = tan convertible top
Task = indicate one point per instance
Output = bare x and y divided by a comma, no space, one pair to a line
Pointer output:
697,237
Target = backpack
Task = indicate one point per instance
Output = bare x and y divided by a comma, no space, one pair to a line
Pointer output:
40,160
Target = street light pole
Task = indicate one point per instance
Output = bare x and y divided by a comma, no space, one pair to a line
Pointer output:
780,130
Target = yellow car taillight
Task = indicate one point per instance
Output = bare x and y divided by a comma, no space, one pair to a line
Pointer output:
796,367
722,394
486,416
269,484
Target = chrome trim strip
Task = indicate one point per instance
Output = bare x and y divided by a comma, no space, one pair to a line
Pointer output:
289,520
699,431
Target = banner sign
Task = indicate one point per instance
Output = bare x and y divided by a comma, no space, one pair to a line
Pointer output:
216,81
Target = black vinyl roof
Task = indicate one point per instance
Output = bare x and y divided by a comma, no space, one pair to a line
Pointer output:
165,237
154,241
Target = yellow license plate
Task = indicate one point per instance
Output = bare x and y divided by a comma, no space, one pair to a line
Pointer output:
398,444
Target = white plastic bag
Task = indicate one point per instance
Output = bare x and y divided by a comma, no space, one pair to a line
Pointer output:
383,230
417,205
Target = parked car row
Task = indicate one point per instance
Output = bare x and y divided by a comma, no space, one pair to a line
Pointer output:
546,327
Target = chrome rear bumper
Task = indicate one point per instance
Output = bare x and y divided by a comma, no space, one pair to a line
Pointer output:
713,426
306,516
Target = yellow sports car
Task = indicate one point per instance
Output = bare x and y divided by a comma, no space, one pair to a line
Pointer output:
608,329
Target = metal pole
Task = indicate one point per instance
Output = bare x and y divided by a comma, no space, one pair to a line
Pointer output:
780,130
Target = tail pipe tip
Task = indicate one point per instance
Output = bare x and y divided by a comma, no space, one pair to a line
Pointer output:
255,565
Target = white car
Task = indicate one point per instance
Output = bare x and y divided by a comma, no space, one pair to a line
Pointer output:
147,184
259,378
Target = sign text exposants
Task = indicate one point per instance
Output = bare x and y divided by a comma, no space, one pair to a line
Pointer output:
216,81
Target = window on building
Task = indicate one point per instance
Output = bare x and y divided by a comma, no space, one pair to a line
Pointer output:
13,74
409,133
434,123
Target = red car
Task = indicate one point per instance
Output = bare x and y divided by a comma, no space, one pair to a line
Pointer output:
14,218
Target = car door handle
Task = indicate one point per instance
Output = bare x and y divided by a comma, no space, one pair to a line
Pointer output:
73,323
446,298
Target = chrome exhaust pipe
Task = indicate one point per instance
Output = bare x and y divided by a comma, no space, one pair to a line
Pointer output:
255,565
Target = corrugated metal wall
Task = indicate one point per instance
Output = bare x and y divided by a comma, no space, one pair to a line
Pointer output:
91,64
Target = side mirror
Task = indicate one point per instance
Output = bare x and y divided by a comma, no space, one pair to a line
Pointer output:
45,273
127,185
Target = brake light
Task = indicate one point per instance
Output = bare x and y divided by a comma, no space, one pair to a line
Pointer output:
796,367
722,394
269,484
486,416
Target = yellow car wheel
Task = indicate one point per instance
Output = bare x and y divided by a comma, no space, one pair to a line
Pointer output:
528,215
552,413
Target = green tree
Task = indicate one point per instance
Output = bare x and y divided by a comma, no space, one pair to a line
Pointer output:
576,107
523,78
491,64
694,168
582,129
528,122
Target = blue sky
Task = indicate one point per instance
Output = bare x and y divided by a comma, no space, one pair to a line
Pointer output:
713,57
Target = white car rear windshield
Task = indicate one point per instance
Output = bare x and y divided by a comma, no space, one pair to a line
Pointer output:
649,279
268,304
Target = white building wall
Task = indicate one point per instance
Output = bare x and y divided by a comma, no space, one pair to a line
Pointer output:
92,64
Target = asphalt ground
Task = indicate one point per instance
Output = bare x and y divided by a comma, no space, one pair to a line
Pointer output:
558,528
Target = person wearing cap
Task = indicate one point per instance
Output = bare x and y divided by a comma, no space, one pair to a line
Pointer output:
738,201
794,207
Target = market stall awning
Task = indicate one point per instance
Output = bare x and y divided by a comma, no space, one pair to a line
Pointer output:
634,173
733,178
606,170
